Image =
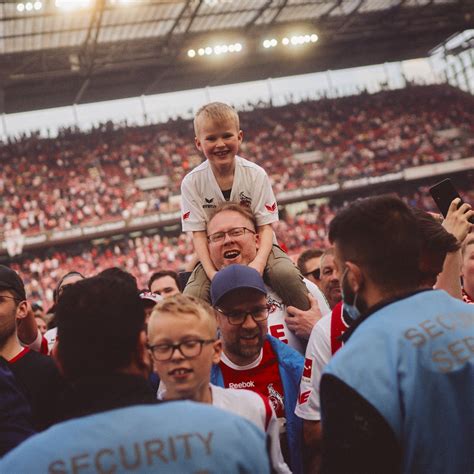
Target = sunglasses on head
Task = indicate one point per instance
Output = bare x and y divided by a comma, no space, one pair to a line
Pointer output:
316,274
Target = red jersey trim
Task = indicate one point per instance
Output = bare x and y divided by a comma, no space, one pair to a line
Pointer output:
19,355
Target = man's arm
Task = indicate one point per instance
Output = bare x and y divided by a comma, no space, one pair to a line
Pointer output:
202,251
265,233
302,322
456,223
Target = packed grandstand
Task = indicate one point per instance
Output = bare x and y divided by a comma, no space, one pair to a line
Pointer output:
82,179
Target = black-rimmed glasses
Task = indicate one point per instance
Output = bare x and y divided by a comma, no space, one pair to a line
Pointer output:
236,232
259,313
188,349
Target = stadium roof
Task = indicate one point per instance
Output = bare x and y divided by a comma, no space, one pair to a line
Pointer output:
113,49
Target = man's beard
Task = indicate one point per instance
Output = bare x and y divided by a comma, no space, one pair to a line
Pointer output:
6,332
350,297
244,350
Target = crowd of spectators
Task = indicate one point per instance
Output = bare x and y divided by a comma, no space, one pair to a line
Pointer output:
143,255
78,178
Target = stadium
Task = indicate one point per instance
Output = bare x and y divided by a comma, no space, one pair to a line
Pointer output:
337,100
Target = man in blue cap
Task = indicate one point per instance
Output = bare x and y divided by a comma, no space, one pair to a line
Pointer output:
251,358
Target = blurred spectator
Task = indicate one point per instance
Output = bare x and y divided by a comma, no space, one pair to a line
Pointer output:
164,283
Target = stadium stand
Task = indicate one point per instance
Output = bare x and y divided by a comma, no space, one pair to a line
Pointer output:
79,178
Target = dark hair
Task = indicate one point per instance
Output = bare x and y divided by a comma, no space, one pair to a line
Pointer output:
116,273
234,207
108,314
60,283
436,243
381,235
305,256
163,273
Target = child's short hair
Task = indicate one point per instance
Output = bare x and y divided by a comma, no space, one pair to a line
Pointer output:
182,304
245,211
216,111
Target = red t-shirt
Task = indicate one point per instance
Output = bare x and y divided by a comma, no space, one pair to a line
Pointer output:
262,376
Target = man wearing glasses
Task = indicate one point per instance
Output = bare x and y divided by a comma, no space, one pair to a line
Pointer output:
232,238
35,373
183,344
252,359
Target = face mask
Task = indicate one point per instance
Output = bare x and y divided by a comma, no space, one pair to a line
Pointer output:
349,299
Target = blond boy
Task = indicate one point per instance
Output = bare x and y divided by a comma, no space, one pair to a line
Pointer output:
183,344
225,176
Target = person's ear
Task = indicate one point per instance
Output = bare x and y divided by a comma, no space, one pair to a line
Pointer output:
198,143
24,310
354,276
257,239
216,351
240,136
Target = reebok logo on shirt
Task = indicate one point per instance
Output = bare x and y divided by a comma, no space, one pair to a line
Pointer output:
249,384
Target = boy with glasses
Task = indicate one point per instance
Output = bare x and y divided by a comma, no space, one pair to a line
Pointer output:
183,344
225,176
251,358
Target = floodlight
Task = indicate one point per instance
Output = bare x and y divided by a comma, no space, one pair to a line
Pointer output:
208,50
285,41
273,42
266,44
201,51
238,47
225,48
20,7
231,48
191,53
29,6
38,5
217,49
314,38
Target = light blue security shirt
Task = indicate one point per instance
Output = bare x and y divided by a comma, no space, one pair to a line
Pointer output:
413,360
175,437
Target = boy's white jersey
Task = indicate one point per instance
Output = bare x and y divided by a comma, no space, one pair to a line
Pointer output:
200,194
257,409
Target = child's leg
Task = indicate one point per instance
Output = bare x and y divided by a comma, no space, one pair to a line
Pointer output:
286,280
198,284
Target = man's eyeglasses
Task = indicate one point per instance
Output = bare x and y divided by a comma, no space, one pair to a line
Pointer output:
188,349
316,274
233,233
259,313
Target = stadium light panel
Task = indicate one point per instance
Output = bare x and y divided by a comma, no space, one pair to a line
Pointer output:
270,43
218,50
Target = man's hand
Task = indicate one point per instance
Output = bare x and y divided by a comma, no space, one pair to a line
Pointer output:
457,220
302,322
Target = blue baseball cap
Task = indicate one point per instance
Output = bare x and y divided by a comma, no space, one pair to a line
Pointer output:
235,277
